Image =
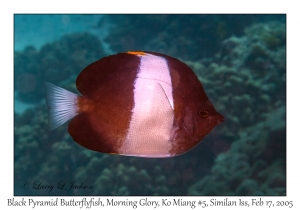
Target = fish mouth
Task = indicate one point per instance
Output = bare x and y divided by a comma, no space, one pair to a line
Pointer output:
220,119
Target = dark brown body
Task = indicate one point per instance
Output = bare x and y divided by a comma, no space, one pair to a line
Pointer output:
108,100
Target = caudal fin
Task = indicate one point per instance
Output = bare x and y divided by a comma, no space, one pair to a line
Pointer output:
62,105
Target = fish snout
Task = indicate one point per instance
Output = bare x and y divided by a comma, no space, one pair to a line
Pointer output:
220,118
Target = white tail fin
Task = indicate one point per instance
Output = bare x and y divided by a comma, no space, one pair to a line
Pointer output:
62,105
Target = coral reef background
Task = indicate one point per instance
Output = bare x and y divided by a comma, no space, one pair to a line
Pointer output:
241,62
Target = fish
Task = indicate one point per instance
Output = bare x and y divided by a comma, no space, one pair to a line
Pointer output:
135,103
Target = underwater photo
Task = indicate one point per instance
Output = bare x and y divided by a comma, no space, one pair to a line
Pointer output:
150,105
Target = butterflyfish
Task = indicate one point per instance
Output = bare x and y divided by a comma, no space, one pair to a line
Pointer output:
143,104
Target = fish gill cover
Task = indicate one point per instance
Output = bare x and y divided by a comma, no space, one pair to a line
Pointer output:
243,70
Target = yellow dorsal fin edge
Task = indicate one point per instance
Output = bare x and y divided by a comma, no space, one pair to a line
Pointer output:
136,53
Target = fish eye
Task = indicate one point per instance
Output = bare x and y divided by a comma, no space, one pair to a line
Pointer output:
203,113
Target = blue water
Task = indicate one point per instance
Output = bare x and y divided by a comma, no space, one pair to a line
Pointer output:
36,30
